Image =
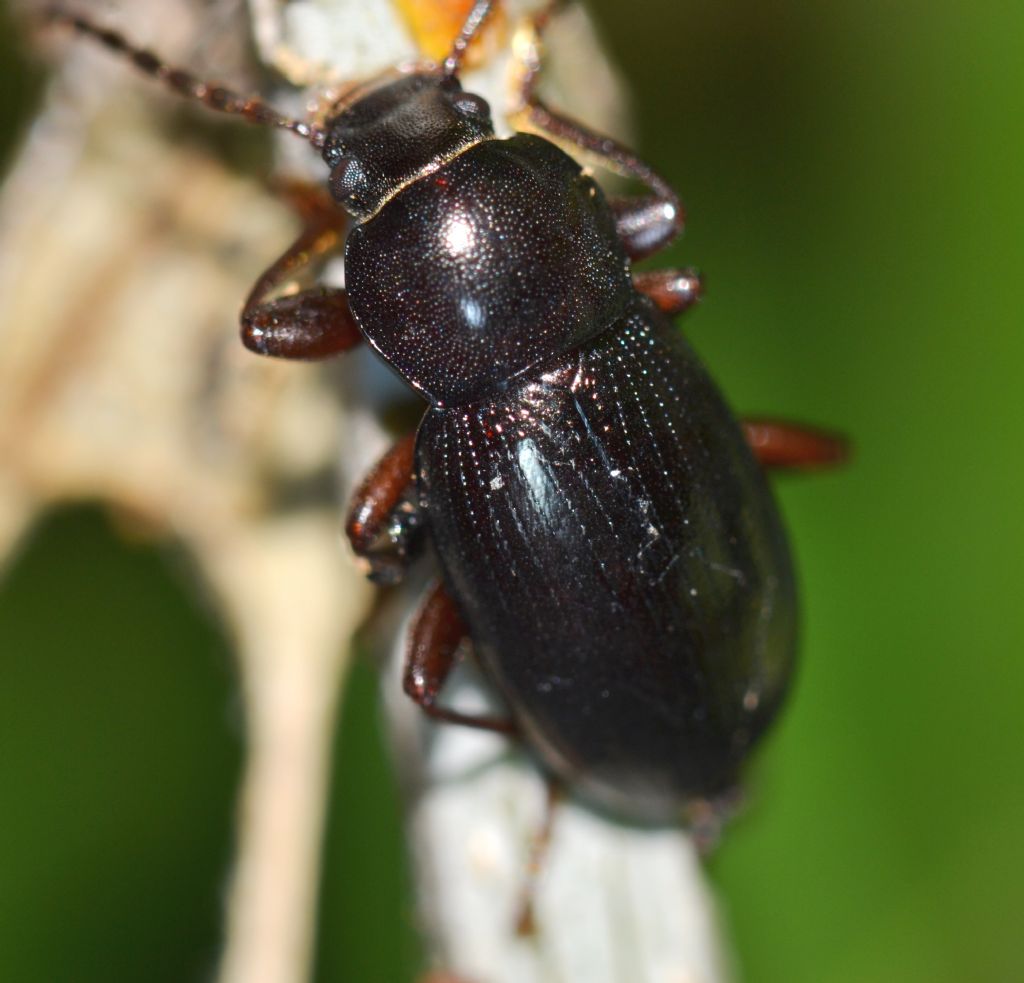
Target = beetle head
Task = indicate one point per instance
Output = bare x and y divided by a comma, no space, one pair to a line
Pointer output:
376,143
398,132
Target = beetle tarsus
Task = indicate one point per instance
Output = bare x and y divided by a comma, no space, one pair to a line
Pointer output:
705,818
526,922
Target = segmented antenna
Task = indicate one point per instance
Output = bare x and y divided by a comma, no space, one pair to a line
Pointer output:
470,29
184,83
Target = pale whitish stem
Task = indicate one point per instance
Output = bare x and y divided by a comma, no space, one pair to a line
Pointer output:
291,641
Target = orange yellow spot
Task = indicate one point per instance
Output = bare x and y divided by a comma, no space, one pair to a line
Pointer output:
434,25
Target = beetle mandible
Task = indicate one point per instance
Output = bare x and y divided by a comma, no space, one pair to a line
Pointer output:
607,538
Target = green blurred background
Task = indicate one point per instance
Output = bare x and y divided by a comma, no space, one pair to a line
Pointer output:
854,177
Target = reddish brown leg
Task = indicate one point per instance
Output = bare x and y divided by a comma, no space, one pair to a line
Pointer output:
673,291
646,223
526,923
436,635
311,324
706,818
383,517
780,445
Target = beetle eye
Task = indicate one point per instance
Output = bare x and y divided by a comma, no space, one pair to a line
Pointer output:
347,179
470,104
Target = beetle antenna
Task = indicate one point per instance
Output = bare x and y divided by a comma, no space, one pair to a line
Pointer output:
184,83
470,29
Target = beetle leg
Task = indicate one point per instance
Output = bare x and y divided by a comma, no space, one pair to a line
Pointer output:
526,922
383,515
436,635
645,223
780,445
673,291
311,324
706,818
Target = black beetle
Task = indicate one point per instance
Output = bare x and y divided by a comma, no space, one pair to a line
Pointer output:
608,540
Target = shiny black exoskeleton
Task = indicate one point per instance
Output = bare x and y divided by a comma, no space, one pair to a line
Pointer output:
601,523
